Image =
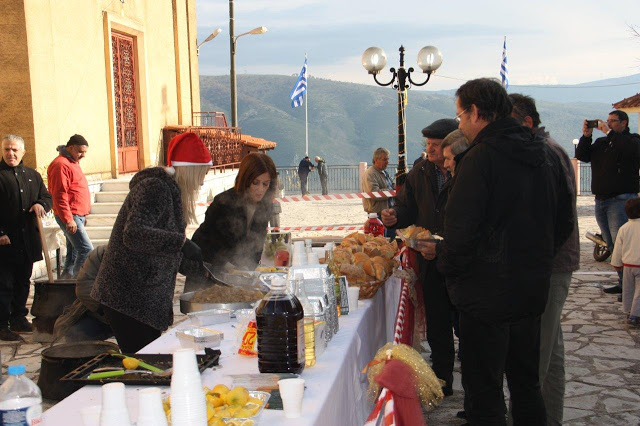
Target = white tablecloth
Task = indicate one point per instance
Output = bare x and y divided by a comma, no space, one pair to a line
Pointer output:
335,387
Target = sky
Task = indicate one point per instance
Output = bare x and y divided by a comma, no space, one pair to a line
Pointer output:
548,42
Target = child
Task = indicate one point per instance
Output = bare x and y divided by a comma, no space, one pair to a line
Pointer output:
626,254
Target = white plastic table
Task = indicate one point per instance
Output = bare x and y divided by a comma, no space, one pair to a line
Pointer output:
335,387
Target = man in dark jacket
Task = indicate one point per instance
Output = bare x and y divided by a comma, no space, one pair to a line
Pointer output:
304,168
323,173
22,197
416,204
566,261
615,160
508,212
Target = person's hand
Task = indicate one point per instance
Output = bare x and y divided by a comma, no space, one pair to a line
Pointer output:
586,131
192,251
428,250
72,227
389,217
5,241
602,126
38,210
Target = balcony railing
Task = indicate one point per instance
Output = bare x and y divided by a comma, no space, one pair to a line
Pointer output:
341,179
224,143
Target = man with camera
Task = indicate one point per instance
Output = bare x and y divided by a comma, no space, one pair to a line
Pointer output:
615,160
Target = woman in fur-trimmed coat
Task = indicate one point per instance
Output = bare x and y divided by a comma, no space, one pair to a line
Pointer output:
147,248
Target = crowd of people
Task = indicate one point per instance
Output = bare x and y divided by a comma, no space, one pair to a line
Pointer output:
487,180
493,183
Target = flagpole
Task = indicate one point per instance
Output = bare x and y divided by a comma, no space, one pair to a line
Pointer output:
306,122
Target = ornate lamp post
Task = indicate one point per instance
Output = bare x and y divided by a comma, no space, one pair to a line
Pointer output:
374,60
232,41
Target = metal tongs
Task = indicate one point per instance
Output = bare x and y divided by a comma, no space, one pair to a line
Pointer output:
209,275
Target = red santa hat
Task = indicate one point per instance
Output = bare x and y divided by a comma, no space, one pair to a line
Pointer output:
187,149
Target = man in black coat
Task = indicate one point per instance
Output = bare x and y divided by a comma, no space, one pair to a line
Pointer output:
416,204
22,197
508,212
615,160
304,168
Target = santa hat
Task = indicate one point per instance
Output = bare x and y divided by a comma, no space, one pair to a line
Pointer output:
187,149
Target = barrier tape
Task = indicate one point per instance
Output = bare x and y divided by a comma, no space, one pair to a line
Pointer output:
348,196
318,228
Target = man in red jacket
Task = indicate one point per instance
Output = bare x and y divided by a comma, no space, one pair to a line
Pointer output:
71,201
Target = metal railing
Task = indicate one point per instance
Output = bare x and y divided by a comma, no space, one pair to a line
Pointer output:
584,186
342,179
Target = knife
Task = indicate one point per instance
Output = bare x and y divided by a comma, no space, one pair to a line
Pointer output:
209,275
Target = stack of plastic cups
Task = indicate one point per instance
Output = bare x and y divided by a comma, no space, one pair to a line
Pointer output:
150,412
299,257
114,406
188,405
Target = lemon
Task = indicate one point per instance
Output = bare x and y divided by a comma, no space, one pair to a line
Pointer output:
220,389
130,363
247,423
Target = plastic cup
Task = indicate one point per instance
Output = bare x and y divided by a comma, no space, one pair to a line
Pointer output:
291,392
353,293
150,411
298,246
114,406
184,364
312,259
91,415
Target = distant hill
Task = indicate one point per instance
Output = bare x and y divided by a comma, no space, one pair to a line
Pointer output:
347,121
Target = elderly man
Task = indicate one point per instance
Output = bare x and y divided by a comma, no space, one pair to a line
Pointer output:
565,262
615,161
417,204
323,173
71,201
23,196
497,268
304,168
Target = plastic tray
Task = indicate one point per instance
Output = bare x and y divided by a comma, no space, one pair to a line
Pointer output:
162,361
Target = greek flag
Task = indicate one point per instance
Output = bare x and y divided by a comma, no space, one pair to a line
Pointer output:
504,71
297,93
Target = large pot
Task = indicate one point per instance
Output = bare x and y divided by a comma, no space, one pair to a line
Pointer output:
49,300
59,360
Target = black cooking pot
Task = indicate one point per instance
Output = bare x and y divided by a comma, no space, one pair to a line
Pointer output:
49,300
59,360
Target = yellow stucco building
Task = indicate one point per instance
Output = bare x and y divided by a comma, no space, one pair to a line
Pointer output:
114,71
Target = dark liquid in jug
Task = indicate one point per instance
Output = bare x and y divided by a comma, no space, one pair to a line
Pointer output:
280,323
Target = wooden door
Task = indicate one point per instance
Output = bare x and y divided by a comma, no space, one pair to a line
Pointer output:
126,106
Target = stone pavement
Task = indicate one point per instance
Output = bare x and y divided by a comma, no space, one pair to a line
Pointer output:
602,352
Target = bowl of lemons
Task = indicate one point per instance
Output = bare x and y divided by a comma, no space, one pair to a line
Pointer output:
235,407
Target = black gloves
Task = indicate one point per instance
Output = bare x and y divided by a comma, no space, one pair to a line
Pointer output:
191,251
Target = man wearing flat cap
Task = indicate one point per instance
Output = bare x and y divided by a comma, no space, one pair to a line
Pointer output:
416,205
71,201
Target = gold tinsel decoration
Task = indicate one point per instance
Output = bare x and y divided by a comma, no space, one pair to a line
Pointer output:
428,386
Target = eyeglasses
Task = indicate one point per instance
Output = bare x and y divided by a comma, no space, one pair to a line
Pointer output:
613,121
459,116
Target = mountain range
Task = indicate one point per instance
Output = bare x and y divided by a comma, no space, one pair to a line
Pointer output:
348,121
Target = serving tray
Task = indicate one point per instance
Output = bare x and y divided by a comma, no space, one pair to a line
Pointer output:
162,361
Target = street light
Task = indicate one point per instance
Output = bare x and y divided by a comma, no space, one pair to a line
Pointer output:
232,41
211,37
374,60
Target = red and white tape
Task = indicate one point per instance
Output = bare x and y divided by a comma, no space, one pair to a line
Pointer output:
318,228
349,196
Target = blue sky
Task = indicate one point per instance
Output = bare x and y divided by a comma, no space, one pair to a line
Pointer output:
548,42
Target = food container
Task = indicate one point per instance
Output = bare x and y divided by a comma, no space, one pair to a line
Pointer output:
264,397
186,306
199,338
209,317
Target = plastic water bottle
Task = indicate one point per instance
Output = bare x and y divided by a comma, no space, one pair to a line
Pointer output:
309,322
373,225
20,399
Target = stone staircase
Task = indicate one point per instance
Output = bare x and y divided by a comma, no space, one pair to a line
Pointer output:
105,208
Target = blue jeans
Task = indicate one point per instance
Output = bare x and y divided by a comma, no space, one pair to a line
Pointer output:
78,246
610,216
